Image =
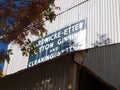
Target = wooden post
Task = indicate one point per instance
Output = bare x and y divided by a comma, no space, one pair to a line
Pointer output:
73,83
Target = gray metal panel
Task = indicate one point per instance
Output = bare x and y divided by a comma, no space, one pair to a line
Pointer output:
105,62
51,75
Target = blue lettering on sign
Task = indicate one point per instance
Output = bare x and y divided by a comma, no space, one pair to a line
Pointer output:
57,43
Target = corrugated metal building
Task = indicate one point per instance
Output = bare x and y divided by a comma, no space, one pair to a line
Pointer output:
102,19
100,57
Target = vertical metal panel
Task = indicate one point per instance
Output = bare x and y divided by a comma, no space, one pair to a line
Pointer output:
51,75
66,4
103,19
104,62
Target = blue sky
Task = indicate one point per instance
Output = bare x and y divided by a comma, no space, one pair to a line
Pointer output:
10,21
3,46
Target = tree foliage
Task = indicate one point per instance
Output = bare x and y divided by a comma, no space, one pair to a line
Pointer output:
18,18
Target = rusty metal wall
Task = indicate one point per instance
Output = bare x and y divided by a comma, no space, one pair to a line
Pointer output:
51,75
104,62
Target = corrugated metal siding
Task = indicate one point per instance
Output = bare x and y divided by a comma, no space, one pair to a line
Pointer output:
52,75
17,60
66,4
105,62
103,22
103,19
